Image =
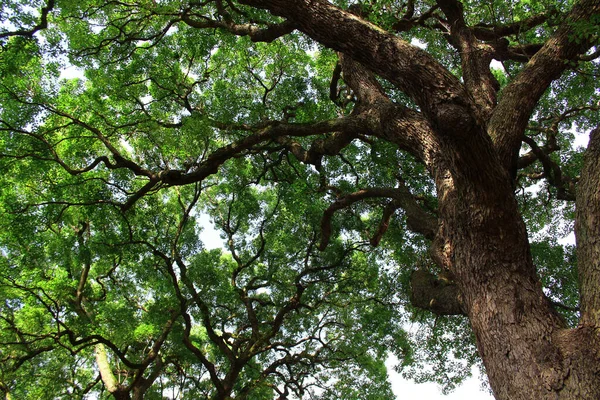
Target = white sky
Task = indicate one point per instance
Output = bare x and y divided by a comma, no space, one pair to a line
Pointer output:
408,390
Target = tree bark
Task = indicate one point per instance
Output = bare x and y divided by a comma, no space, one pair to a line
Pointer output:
439,295
587,231
511,318
520,97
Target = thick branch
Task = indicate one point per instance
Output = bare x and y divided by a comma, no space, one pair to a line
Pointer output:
436,294
475,57
330,146
406,128
439,94
519,98
43,24
531,156
268,34
108,377
494,32
408,20
552,172
365,86
418,219
274,131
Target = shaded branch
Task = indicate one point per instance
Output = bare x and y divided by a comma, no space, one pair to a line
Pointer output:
418,219
409,21
551,132
43,24
492,32
531,157
436,294
438,93
508,123
475,57
552,172
268,34
273,132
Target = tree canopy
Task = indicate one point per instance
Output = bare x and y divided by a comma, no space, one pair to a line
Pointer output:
378,183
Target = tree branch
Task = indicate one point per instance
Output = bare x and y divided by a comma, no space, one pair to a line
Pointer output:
438,93
475,58
508,123
493,32
43,24
419,220
439,295
268,34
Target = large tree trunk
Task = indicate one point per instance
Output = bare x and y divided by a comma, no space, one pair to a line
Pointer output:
587,230
527,350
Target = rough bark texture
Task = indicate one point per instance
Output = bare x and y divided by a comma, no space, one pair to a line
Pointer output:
545,66
588,233
440,295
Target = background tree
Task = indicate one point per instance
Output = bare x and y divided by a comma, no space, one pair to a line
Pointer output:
363,162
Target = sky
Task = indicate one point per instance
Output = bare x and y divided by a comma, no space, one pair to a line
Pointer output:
408,390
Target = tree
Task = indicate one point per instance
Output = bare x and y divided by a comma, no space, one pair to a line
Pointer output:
362,159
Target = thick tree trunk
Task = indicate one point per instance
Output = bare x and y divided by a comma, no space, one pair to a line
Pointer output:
527,350
587,230
513,323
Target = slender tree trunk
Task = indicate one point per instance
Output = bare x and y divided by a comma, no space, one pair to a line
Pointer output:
108,378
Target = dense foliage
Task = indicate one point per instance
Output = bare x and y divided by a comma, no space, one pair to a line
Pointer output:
125,126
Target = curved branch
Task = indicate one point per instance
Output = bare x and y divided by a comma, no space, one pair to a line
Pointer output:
475,57
421,221
268,34
438,93
551,132
552,172
521,53
409,21
407,128
508,122
273,132
492,32
43,24
532,156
